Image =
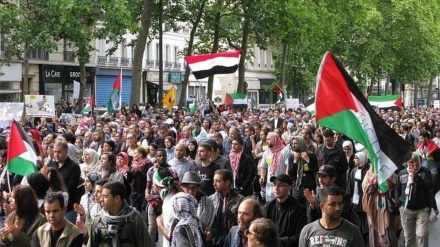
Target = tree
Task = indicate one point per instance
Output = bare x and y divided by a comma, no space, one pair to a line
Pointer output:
139,47
28,26
86,20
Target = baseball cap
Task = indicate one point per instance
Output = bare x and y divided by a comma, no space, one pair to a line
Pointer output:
284,178
327,170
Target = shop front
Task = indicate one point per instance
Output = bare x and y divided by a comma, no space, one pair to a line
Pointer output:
58,80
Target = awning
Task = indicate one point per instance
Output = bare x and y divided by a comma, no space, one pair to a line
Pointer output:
266,80
166,85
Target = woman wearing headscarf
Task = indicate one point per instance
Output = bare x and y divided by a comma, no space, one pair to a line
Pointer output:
91,162
243,168
302,168
169,147
382,230
137,177
186,229
355,179
347,146
273,163
192,149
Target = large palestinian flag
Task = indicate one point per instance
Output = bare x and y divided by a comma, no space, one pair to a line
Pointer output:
21,157
341,106
387,101
206,65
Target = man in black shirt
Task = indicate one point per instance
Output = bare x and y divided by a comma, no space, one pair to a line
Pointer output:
70,172
206,168
289,215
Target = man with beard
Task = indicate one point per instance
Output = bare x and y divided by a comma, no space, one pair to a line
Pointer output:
180,163
248,211
118,224
70,172
302,168
331,229
286,212
99,138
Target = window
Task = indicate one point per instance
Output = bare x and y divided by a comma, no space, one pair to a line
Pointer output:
252,97
157,52
124,48
148,50
68,52
264,97
193,90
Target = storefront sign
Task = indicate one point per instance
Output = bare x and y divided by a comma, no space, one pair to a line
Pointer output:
175,77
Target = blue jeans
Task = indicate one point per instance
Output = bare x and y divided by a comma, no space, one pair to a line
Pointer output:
415,225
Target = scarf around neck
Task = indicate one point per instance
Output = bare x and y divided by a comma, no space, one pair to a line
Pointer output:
124,216
275,151
235,161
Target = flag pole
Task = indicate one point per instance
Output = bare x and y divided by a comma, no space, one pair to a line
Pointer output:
120,94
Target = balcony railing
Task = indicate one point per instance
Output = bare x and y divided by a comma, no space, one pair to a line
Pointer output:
69,56
125,61
151,63
113,60
102,60
169,65
39,55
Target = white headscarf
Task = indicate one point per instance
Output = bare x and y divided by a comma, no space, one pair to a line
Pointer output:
93,165
362,158
350,145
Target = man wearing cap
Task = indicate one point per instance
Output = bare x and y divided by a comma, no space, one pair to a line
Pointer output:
326,177
190,184
285,211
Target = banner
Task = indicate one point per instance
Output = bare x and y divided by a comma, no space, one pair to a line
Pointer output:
76,85
9,111
39,105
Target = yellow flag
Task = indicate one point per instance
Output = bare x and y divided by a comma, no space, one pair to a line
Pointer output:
168,100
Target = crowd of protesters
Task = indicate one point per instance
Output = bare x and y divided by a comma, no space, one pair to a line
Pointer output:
225,177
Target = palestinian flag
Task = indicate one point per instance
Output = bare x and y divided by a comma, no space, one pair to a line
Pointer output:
279,93
90,105
237,100
341,106
113,102
310,106
387,101
21,157
206,65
